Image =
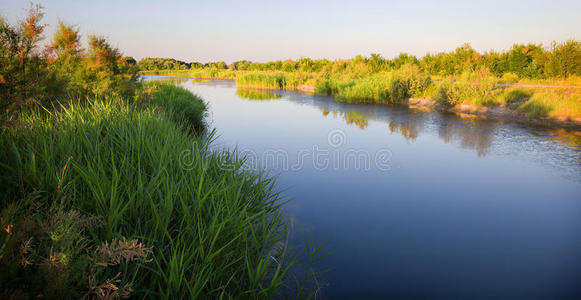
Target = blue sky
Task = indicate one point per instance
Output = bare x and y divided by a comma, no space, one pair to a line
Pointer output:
269,30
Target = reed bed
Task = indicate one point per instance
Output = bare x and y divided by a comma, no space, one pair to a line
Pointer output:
143,171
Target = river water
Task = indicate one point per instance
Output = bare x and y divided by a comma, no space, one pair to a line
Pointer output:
414,204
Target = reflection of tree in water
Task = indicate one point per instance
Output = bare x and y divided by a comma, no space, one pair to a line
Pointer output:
357,119
570,137
351,118
256,94
473,133
409,129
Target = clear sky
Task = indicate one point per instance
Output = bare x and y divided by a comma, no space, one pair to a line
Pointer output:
270,30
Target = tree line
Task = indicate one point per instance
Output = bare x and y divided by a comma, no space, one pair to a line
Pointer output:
559,60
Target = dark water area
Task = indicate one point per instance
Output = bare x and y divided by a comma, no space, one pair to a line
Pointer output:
414,204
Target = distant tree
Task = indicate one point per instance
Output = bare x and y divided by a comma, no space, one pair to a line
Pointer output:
375,62
520,60
564,59
404,59
289,65
221,65
305,64
129,60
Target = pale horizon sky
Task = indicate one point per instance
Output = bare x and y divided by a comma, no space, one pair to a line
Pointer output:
270,30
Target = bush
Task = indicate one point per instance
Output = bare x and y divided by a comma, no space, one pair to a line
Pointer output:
261,80
478,88
509,77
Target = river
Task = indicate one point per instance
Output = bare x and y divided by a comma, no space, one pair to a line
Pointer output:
414,204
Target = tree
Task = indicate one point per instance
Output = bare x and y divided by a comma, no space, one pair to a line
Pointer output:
564,59
22,69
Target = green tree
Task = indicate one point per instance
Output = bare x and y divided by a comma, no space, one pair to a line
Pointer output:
564,59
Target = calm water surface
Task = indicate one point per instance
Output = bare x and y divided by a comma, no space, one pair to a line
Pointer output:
415,204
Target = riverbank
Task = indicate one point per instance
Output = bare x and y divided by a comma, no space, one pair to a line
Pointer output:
122,197
555,105
502,113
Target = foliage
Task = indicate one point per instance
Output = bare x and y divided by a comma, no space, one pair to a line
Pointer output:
554,104
213,230
278,80
24,78
477,88
565,59
156,64
525,61
31,78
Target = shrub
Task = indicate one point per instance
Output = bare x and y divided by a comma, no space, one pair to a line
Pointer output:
509,77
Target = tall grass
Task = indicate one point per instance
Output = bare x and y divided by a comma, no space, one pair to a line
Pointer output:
477,88
214,229
272,81
213,73
393,87
553,104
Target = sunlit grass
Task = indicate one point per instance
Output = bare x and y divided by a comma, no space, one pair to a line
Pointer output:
214,229
273,80
551,103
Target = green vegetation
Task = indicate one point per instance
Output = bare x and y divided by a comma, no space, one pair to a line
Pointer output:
273,81
463,76
208,223
532,61
555,104
395,87
477,88
110,189
32,78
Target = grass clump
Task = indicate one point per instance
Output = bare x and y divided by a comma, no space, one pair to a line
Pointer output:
395,87
212,73
476,88
180,104
554,104
272,81
514,97
116,198
275,81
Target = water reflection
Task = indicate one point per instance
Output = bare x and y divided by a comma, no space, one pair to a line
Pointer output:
253,94
472,132
511,200
572,138
469,131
